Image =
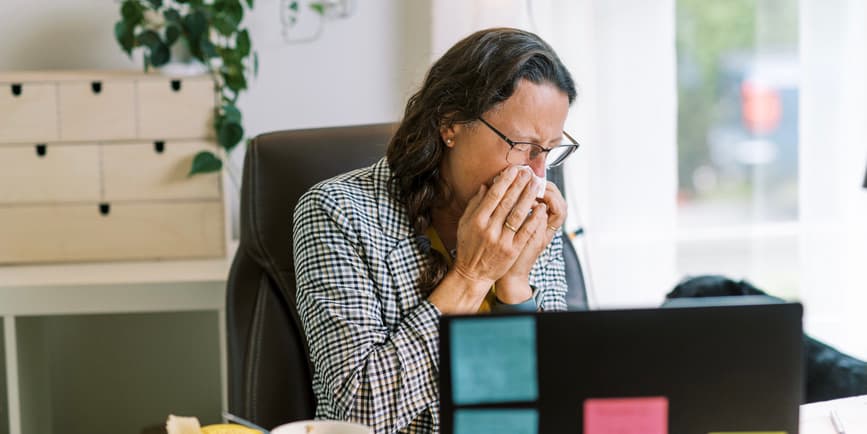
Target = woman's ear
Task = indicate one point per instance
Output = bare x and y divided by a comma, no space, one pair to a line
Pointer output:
449,133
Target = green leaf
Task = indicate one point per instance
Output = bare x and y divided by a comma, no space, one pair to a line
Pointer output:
196,24
160,55
132,13
235,11
229,134
173,16
243,43
255,63
208,50
156,4
159,51
294,5
250,4
224,24
318,7
234,77
205,162
231,114
148,38
172,34
231,59
124,37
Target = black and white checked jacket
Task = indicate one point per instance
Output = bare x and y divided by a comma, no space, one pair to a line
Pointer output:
372,333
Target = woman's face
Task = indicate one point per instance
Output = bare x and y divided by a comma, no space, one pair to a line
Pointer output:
534,113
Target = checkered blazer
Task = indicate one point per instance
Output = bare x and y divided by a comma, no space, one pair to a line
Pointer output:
373,336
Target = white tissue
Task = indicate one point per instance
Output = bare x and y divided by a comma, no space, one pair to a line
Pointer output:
539,182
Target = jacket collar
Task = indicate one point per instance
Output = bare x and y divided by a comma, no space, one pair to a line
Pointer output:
392,215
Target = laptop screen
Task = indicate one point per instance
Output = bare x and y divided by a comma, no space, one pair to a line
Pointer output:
709,369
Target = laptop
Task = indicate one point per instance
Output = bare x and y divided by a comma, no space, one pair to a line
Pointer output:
682,370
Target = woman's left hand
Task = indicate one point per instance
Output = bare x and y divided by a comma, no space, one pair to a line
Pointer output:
514,286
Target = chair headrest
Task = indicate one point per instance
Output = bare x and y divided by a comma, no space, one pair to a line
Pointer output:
280,167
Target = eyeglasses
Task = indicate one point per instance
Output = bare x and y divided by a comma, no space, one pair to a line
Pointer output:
525,152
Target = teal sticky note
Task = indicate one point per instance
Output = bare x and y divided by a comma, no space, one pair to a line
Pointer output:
494,360
497,421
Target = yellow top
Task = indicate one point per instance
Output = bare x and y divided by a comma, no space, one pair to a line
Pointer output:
438,245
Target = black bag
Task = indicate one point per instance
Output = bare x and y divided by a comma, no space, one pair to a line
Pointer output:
830,373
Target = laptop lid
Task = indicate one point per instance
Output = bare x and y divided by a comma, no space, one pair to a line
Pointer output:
706,369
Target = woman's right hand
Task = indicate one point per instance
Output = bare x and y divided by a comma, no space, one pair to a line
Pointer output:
487,245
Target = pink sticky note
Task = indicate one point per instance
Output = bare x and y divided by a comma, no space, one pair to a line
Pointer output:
646,415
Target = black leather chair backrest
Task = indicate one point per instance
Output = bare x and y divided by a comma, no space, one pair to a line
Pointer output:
269,370
576,297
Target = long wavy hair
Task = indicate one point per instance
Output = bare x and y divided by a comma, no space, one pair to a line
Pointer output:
472,77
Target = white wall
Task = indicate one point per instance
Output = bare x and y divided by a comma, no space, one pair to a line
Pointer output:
360,70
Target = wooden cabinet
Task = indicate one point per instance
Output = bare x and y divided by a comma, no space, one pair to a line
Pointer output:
28,111
93,167
49,173
156,171
176,109
97,110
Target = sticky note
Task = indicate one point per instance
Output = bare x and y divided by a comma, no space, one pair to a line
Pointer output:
497,421
645,415
494,360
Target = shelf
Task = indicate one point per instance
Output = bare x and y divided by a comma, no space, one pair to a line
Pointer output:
113,273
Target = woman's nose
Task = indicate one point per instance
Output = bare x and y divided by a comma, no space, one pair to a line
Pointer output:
538,165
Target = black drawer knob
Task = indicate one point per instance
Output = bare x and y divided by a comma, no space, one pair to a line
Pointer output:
104,209
176,85
96,87
41,150
16,89
159,146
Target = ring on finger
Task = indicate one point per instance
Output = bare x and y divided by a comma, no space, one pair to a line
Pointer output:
510,227
553,229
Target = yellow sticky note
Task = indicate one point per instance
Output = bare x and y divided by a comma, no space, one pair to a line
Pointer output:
750,432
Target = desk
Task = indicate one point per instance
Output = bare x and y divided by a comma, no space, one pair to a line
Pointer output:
815,417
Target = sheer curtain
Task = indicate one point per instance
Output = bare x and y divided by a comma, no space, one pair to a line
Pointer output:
833,156
622,186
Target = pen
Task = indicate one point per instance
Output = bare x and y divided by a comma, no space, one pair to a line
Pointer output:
242,421
838,425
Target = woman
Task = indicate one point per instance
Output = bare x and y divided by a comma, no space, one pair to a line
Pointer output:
452,221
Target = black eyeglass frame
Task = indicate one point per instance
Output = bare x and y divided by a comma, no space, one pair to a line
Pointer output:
542,150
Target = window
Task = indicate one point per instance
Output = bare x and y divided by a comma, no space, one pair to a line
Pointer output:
737,75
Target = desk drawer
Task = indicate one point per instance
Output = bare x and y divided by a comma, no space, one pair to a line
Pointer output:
49,173
28,112
146,231
97,110
175,108
153,171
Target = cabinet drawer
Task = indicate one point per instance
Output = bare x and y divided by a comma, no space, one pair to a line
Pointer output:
66,233
153,171
28,112
49,173
98,110
176,109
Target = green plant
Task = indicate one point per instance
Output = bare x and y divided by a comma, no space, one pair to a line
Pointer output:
213,34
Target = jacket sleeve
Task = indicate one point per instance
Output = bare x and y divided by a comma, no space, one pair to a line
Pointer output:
366,372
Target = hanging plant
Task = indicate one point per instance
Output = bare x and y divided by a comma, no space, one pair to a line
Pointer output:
213,34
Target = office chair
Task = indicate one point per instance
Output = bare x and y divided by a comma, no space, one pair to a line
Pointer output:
270,377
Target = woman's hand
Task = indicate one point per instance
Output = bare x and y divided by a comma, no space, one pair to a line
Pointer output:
492,231
514,286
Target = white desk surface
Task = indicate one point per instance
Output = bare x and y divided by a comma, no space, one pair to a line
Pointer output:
816,419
